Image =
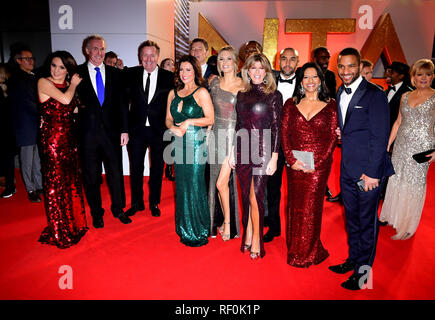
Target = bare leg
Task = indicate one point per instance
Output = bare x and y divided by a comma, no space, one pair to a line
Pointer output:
224,197
254,221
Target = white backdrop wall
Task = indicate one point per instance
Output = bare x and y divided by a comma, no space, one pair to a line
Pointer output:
123,24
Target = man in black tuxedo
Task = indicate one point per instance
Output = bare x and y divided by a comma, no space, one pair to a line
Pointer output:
23,95
397,77
102,129
287,84
321,56
147,88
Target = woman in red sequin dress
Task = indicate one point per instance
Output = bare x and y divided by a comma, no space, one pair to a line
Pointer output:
63,195
308,124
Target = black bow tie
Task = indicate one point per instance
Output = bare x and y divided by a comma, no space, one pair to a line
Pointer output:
348,90
392,88
286,80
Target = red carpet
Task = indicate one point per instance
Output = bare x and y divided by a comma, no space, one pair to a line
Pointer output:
145,260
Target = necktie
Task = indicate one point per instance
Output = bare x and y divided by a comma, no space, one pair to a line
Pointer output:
286,80
147,88
348,90
100,86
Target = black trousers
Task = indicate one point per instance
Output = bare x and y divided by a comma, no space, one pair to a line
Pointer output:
107,150
273,193
140,140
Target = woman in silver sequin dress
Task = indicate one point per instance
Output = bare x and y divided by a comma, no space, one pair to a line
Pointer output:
223,199
413,132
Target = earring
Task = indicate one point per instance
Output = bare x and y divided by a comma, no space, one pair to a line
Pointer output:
249,78
301,90
319,89
264,80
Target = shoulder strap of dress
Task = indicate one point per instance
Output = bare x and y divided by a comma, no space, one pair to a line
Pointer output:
195,90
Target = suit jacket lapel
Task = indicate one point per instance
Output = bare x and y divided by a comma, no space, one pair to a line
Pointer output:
88,84
340,116
107,85
158,85
356,98
141,84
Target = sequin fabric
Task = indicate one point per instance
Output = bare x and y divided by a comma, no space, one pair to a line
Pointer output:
406,189
63,196
306,190
225,117
256,111
192,213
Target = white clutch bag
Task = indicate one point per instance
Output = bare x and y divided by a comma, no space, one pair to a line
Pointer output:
306,157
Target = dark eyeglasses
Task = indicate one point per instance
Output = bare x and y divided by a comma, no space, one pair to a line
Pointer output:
27,58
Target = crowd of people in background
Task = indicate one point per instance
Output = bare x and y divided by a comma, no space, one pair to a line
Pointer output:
231,124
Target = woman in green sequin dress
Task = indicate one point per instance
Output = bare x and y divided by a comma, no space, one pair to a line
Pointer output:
189,110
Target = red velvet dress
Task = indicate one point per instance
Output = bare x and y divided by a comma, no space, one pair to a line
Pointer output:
306,190
63,196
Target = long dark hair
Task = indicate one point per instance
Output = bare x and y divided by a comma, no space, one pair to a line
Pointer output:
67,60
323,94
199,80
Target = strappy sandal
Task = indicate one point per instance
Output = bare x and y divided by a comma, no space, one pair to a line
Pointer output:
225,236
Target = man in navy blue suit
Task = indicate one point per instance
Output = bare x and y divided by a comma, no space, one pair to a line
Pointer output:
363,114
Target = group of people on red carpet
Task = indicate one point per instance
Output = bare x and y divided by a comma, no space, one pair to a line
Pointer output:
226,130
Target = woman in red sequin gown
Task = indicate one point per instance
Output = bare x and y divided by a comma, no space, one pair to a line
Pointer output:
63,197
308,124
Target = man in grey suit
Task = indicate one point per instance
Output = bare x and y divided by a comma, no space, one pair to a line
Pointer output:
22,90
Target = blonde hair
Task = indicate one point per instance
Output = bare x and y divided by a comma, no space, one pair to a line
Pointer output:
234,57
422,64
418,65
268,81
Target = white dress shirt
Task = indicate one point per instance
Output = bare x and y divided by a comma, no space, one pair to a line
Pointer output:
93,75
392,92
153,86
345,98
285,88
204,68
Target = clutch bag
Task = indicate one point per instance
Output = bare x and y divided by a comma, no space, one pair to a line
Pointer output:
306,157
421,157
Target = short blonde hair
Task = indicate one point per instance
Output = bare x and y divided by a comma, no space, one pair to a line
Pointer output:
234,57
268,81
422,64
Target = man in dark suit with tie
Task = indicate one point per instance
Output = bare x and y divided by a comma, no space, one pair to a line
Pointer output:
286,84
397,77
147,88
363,116
102,129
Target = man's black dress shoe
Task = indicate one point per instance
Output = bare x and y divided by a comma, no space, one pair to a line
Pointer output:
343,268
34,196
353,283
123,218
98,222
337,198
383,223
134,208
168,172
155,211
268,237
